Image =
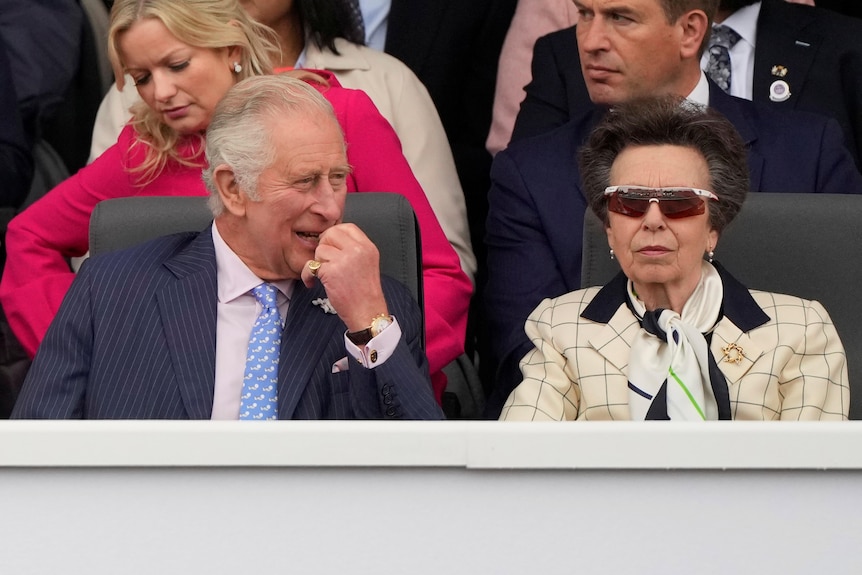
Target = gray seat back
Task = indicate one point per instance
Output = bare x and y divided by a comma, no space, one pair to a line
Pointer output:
387,219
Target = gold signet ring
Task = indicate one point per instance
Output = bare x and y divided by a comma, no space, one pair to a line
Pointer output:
313,267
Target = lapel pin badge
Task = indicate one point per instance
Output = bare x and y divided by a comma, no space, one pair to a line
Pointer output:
779,91
779,71
732,353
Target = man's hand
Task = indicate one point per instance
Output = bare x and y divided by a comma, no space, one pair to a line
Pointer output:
350,273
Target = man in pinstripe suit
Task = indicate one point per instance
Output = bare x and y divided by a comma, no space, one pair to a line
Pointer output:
161,331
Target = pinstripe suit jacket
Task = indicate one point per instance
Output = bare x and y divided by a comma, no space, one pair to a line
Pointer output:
793,367
135,339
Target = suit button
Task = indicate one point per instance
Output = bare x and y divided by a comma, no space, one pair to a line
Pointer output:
386,389
390,412
387,399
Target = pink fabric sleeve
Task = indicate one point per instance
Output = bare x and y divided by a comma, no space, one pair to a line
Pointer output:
374,151
40,240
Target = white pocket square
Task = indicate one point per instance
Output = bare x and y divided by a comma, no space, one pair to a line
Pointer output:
340,365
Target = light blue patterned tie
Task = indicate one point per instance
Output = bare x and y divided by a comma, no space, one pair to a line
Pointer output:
260,384
718,67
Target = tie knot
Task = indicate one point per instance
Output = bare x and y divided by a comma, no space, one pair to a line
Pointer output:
723,36
265,295
658,322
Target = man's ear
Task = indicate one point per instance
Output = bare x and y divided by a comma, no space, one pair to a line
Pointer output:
229,191
694,27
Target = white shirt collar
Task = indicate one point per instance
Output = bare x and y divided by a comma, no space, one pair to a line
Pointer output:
744,23
700,94
234,278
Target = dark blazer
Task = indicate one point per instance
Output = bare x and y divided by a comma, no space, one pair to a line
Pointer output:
847,7
822,53
453,46
535,220
820,50
135,339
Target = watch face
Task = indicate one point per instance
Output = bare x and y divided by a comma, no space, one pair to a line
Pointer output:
379,324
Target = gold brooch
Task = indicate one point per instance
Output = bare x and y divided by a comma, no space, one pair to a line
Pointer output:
732,353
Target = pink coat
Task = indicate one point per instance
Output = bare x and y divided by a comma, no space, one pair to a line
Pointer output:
39,241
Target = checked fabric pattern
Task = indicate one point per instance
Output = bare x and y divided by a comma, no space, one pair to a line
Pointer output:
721,41
260,385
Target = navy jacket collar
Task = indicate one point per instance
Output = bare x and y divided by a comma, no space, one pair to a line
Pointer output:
738,305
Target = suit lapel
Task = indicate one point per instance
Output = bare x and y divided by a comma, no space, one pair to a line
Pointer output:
614,341
782,40
734,110
727,337
731,339
189,308
307,332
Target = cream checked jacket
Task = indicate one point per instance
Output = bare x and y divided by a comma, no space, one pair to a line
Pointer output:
793,365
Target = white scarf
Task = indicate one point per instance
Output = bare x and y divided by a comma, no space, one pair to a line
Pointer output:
683,363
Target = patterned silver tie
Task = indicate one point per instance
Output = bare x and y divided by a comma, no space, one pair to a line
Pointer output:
357,24
718,68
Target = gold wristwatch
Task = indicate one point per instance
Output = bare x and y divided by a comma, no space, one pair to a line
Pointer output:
378,324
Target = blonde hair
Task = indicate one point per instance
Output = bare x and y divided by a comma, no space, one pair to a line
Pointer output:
200,23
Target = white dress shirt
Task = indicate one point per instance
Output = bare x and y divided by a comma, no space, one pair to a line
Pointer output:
238,310
744,23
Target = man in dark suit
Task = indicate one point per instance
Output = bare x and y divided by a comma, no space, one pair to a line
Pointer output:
815,51
627,50
805,58
179,327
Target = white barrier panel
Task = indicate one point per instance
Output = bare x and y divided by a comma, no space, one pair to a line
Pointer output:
429,498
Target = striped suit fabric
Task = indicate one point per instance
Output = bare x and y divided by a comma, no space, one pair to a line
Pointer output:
135,339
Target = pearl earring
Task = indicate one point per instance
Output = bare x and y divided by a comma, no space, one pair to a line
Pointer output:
237,67
612,253
711,255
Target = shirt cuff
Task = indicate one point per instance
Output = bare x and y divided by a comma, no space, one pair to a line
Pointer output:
378,349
